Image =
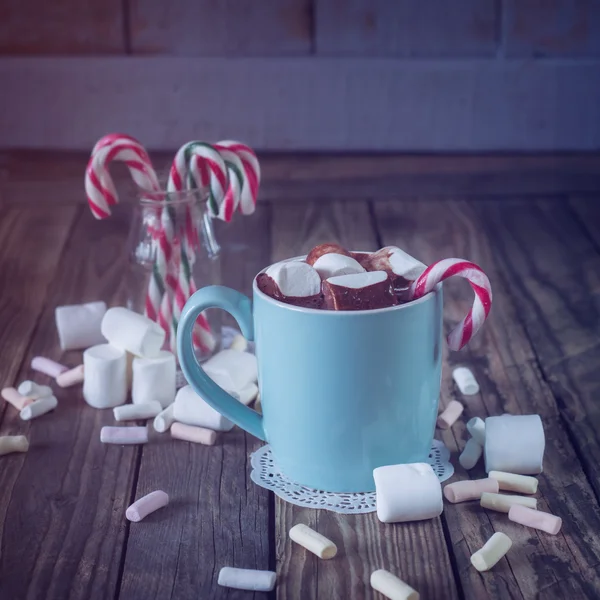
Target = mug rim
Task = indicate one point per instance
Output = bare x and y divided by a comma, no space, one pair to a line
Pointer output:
336,313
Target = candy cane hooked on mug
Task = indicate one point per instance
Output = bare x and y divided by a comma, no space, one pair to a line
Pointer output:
457,267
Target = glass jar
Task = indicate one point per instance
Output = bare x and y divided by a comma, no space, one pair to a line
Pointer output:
174,229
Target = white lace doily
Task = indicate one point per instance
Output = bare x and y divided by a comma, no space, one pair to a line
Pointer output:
266,474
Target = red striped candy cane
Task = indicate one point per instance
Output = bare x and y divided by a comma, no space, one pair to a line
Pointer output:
251,167
235,176
458,267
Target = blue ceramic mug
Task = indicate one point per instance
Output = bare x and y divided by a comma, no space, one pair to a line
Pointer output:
342,392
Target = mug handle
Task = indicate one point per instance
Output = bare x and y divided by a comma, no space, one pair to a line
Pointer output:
240,307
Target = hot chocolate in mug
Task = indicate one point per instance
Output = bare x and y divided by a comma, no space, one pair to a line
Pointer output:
342,392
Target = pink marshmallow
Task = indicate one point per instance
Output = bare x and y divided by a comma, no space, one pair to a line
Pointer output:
470,489
124,435
197,435
71,377
147,504
450,415
535,518
12,396
47,366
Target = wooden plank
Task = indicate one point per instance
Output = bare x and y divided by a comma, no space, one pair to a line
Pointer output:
61,27
554,267
27,176
216,517
366,544
535,28
62,504
587,211
405,28
506,367
25,275
306,104
223,28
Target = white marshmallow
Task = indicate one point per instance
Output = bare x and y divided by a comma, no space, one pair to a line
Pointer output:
407,493
133,332
493,550
105,383
465,380
392,587
503,502
33,390
241,367
124,435
239,343
154,379
470,455
515,483
38,408
78,325
295,278
248,393
164,419
399,262
13,443
247,579
476,427
358,281
132,412
514,444
331,265
191,409
145,505
313,541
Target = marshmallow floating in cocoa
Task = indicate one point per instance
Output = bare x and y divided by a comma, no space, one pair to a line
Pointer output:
293,282
395,262
332,265
361,291
323,249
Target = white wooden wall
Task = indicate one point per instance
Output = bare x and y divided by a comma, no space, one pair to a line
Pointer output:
308,75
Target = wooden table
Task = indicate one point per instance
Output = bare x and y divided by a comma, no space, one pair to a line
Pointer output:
63,532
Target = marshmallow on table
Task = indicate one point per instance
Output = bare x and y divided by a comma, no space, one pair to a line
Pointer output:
476,427
19,401
503,502
33,390
191,409
239,343
248,393
78,325
465,380
534,518
295,278
154,379
493,550
131,412
360,291
105,383
196,435
38,408
407,493
331,265
392,587
164,419
450,415
247,579
47,366
396,262
241,367
71,377
313,541
515,483
514,444
470,489
132,332
13,443
147,504
470,455
124,435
